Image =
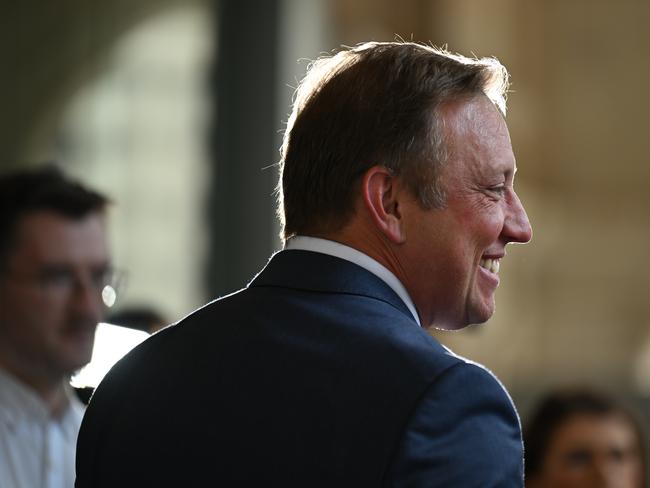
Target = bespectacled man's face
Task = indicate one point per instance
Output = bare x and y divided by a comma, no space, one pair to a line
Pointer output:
50,293
452,254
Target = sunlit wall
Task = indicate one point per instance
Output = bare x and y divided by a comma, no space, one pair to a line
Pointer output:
137,131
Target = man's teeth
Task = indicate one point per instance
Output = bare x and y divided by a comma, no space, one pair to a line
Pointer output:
492,265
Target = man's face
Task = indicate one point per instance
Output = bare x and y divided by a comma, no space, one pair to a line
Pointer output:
50,293
451,255
592,451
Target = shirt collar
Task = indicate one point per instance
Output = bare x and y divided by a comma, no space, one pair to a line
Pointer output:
336,249
19,400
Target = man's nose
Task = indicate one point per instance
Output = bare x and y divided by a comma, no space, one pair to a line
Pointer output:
517,226
87,299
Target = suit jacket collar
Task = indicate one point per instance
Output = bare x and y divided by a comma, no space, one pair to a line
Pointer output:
313,271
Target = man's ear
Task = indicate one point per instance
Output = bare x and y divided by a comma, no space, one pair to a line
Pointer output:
380,197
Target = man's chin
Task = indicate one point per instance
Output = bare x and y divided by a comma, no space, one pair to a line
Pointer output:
481,318
451,325
481,313
474,314
75,360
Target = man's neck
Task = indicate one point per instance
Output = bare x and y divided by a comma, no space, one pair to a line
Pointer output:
349,253
49,388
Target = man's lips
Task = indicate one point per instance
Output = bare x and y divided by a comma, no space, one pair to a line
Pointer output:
81,331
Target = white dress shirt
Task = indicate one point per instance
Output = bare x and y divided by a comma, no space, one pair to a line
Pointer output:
36,450
336,249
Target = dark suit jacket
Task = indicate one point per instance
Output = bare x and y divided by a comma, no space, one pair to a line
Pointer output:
314,375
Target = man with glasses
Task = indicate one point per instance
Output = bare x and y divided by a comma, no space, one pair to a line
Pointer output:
55,276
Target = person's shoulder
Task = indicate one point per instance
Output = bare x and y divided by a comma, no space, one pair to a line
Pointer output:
464,431
457,382
484,380
420,349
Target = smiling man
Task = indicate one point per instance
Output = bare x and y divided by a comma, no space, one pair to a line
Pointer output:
398,202
54,264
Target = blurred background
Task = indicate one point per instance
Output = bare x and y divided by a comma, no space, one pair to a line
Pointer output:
176,108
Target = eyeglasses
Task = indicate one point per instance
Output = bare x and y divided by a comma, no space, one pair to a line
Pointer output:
59,281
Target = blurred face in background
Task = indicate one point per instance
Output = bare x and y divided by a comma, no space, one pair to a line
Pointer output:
50,294
592,451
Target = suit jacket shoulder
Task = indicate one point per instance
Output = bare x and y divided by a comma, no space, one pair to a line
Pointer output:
463,432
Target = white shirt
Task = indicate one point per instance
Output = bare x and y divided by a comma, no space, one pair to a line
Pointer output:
36,450
336,249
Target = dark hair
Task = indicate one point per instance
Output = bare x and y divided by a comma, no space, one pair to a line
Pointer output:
374,104
557,408
43,188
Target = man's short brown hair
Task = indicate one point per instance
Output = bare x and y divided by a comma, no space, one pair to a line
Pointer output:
374,104
45,187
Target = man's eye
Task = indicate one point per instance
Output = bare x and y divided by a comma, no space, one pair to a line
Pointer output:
499,189
57,277
619,455
578,458
101,277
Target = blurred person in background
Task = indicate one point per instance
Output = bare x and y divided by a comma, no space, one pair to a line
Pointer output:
584,439
54,265
398,202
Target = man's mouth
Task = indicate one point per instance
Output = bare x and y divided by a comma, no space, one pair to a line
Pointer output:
491,265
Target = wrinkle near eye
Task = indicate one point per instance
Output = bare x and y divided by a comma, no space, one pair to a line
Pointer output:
484,199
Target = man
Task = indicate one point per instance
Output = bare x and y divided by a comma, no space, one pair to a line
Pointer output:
54,264
579,438
397,201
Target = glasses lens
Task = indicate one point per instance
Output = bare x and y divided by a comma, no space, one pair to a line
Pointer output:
113,285
109,295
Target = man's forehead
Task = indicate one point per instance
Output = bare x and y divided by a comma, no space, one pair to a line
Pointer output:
50,236
475,130
474,115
